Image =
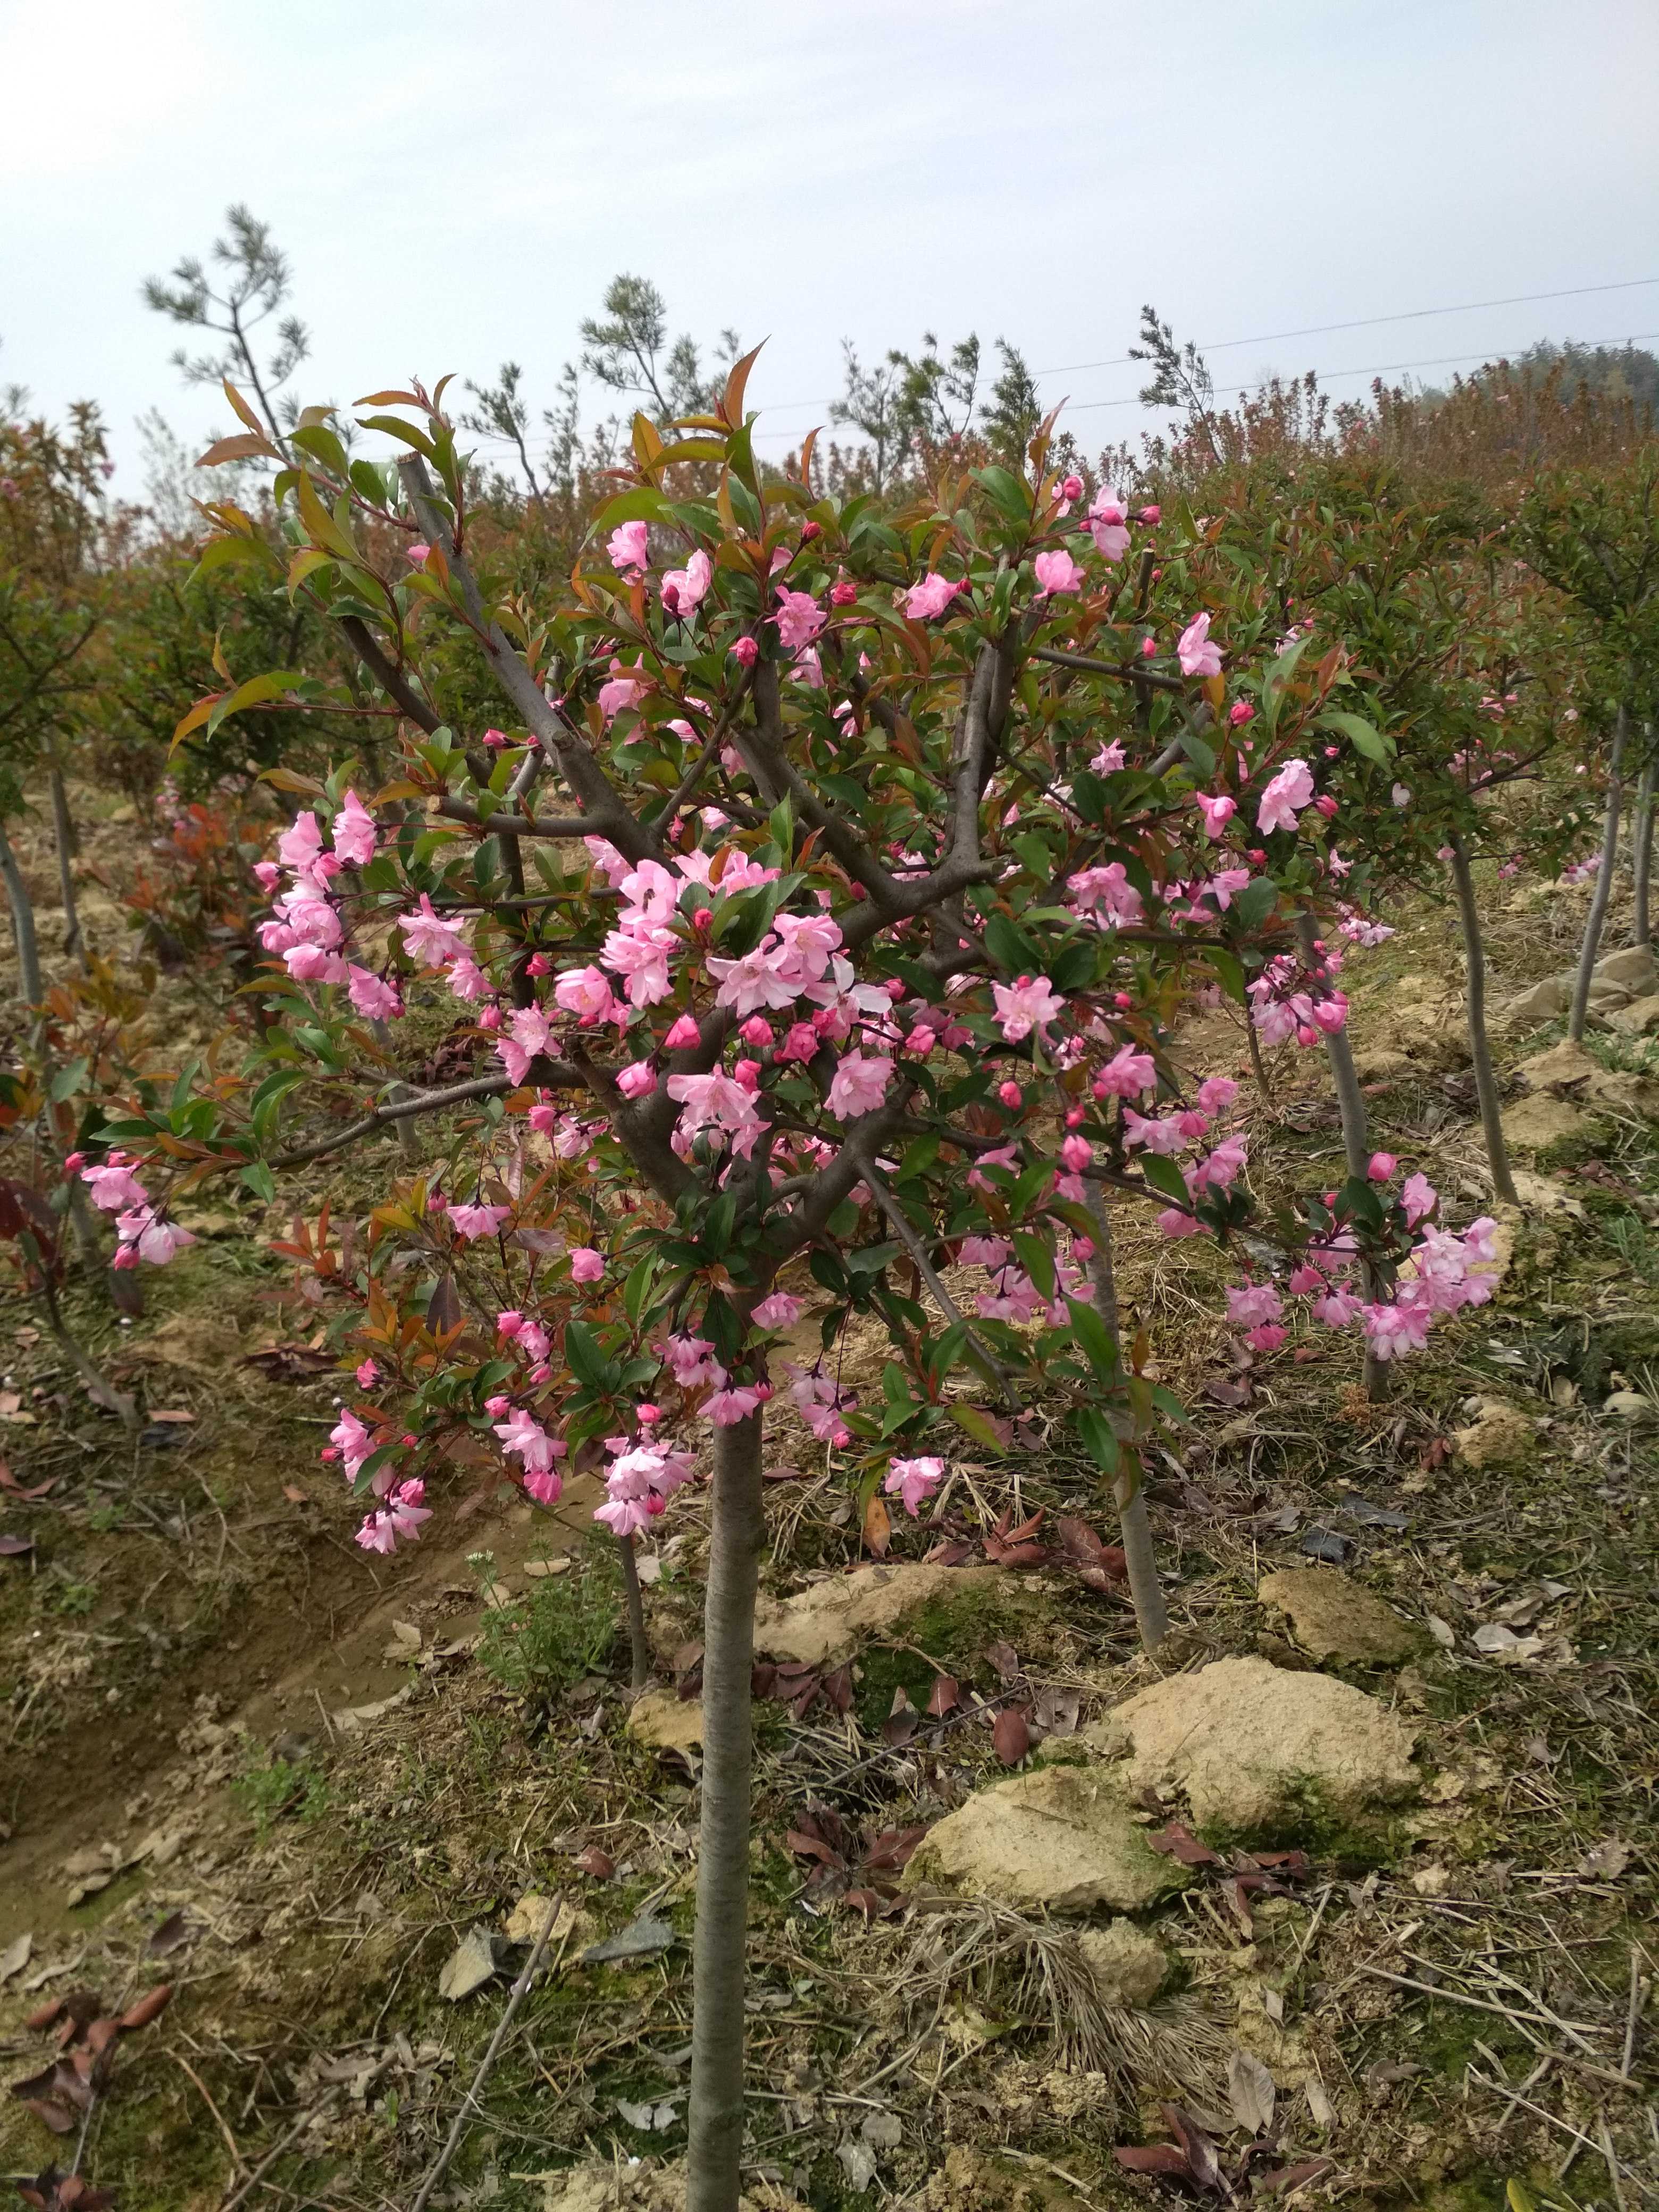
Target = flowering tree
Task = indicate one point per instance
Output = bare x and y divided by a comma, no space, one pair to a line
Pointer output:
828,906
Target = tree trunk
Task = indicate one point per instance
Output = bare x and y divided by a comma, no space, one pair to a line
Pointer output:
1642,853
1603,892
639,1650
715,2151
1140,1560
1356,1139
1485,1082
68,844
22,923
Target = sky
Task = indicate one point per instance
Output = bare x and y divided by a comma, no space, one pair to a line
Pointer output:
455,184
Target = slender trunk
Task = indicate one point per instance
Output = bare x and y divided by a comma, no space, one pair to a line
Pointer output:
639,1650
68,844
1485,1082
714,2156
409,1141
1356,1140
22,923
1603,892
1642,853
1140,1561
1261,1066
101,1393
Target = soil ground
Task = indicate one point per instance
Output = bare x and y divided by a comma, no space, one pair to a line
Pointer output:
315,1773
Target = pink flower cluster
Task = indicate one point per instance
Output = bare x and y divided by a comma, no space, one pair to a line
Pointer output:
141,1231
305,927
1291,1001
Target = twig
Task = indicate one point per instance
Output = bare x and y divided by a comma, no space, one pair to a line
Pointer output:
520,1990
238,2163
1612,2162
1306,1944
1632,2012
1457,1996
1503,2089
947,1305
275,2152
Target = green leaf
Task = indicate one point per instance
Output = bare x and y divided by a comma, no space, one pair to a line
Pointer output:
1008,948
1165,1177
1200,755
1254,903
1099,1437
976,1424
871,1259
587,1363
1037,1258
1095,1339
1010,495
1360,734
260,1181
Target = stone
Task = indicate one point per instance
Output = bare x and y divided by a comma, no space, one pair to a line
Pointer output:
825,1624
1636,1018
1568,1071
1542,1194
1333,1617
632,2186
1130,1966
669,1723
524,1923
1499,1436
1256,1748
1058,1839
1607,997
1632,1406
1633,968
1546,999
1381,1065
469,1965
1533,1124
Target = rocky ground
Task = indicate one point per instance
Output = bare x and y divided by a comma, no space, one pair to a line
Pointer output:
1345,1898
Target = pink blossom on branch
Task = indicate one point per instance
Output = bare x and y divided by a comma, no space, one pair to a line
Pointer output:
1195,650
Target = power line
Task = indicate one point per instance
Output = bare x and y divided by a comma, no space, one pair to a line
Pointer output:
1380,368
1317,330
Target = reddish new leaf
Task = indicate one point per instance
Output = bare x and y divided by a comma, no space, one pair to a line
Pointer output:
1153,2158
596,1862
1011,1735
1176,1841
147,2008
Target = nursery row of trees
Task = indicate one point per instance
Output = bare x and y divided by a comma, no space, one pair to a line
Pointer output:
813,869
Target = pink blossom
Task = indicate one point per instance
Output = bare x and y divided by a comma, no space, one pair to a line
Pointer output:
1105,892
310,963
1222,1168
1194,650
1240,712
1419,1197
1166,1136
114,1185
931,597
430,938
1057,572
915,1482
1381,1166
745,651
736,1402
586,993
859,1086
472,1222
355,833
1251,1304
781,1310
1215,1094
683,1036
637,1080
683,589
419,554
509,1323
765,977
375,998
587,1265
715,1101
1337,1308
799,618
1391,1331
1218,812
1174,1224
1109,760
625,688
1286,796
155,1241
1106,518
300,844
1400,795
352,1441
1026,1004
524,1437
1127,1074
630,546
640,954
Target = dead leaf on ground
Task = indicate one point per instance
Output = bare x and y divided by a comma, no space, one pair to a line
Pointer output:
598,1864
1250,2092
12,1488
1011,1735
1606,1862
15,1957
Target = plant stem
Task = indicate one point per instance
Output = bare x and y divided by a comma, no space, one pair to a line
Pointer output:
714,2158
1603,892
22,923
1261,1067
68,844
639,1650
1140,1561
1356,1137
1485,1082
1642,851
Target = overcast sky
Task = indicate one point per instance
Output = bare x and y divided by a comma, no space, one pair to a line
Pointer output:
456,183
